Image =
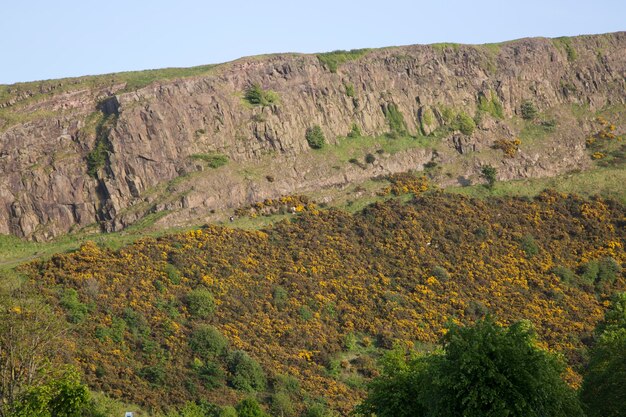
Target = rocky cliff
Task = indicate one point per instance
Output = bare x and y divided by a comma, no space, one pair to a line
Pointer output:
98,150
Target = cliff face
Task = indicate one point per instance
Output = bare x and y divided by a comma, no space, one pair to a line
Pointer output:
149,135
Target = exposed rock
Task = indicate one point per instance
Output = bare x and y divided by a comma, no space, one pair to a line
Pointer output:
45,189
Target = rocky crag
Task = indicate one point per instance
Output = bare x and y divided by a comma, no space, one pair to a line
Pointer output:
98,150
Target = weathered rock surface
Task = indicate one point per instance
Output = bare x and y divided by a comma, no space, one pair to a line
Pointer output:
45,189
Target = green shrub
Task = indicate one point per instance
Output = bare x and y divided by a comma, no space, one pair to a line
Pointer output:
155,374
529,246
200,303
370,158
256,96
206,341
76,311
213,160
528,109
97,158
315,137
395,119
172,274
246,374
250,407
355,131
279,297
440,273
305,313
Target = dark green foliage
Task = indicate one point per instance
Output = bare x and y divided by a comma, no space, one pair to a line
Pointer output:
207,342
465,124
489,173
213,160
603,392
589,272
355,131
528,109
399,391
608,269
529,246
395,119
615,316
315,137
332,60
76,311
257,96
97,158
246,373
370,158
210,373
200,303
279,297
484,371
155,374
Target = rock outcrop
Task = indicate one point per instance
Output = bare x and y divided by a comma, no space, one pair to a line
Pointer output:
154,132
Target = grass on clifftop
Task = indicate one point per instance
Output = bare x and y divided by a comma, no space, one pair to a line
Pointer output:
606,182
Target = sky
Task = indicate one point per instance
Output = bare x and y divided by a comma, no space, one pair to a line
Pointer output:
43,39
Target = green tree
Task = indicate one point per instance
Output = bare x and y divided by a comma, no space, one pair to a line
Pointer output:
528,109
250,407
484,371
246,373
603,391
207,341
200,303
64,396
489,173
398,391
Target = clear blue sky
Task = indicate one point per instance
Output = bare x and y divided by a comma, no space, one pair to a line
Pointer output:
42,39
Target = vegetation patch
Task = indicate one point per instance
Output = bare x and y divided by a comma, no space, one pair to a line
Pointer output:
213,160
257,96
333,60
490,103
315,137
395,119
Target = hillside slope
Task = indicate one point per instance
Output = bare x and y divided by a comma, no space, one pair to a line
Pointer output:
103,152
320,297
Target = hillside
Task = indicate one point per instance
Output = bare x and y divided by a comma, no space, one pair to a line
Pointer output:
315,300
188,146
